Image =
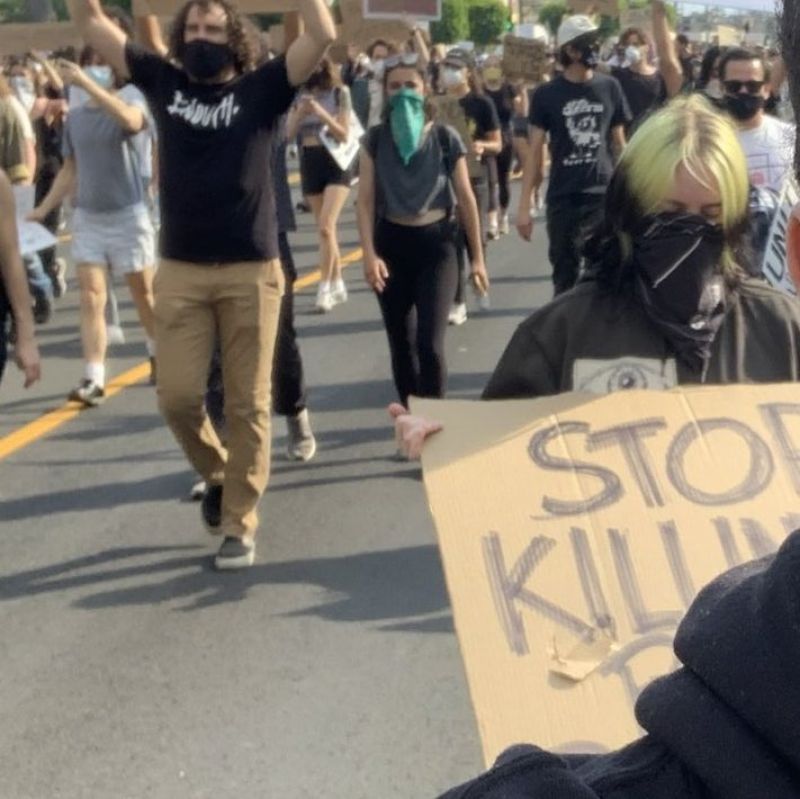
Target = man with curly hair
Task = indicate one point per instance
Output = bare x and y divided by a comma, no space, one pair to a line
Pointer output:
220,274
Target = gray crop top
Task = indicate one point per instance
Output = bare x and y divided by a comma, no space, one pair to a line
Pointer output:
425,184
333,101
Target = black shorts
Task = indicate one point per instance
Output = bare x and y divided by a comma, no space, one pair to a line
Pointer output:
318,170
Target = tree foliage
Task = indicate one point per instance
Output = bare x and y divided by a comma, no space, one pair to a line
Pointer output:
454,24
488,21
551,14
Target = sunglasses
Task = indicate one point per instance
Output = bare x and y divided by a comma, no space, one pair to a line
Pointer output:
401,60
735,86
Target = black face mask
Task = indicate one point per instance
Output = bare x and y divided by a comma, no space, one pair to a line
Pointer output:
743,106
679,281
204,60
589,56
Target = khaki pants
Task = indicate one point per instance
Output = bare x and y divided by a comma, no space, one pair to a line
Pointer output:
238,303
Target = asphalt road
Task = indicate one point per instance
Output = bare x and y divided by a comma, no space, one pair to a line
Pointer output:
128,668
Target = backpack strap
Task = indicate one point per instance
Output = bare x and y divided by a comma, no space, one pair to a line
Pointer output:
447,155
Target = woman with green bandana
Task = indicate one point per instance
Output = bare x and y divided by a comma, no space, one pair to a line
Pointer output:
412,176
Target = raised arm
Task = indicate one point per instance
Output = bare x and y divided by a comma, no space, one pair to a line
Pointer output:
98,31
148,28
307,50
668,64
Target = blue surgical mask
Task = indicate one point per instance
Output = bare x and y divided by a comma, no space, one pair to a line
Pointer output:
406,121
101,75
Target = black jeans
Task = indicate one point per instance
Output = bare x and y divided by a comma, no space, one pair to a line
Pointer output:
416,302
569,219
480,188
288,384
504,159
41,190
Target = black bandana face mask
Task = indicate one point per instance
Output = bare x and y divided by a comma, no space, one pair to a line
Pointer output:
679,281
205,60
743,106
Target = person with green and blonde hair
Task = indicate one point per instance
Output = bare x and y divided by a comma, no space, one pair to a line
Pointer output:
665,300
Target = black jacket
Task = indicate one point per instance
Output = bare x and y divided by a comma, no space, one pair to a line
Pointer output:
724,726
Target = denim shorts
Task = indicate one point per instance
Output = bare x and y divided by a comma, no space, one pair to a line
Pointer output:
122,240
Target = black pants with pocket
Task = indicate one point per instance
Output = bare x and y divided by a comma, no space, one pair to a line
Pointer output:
569,219
288,383
416,302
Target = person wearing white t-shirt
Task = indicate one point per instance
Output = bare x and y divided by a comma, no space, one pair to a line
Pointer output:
768,143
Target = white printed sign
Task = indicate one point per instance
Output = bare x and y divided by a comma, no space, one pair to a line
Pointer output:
33,237
775,265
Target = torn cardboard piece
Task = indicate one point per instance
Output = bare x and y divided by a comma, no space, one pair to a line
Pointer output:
565,516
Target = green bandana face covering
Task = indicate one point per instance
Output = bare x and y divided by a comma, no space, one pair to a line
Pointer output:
406,120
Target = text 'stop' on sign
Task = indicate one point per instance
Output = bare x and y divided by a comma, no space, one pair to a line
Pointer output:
576,530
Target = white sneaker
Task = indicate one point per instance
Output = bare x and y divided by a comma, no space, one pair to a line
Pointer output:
324,303
505,227
339,292
115,334
302,445
493,233
457,315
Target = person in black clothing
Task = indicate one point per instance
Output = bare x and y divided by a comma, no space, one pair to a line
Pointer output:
582,114
645,86
413,174
502,94
220,274
459,80
683,50
723,726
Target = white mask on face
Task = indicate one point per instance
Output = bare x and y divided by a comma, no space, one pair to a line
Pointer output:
23,89
452,76
632,55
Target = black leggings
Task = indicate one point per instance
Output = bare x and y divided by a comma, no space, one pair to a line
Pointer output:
504,159
416,301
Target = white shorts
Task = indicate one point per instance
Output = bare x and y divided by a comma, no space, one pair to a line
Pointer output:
123,240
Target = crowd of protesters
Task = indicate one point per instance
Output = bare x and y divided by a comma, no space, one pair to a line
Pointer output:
660,171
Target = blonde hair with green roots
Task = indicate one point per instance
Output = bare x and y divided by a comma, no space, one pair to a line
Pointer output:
689,132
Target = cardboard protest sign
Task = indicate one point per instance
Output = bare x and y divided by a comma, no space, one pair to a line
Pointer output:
607,8
728,36
171,7
524,58
775,265
402,9
641,18
45,36
448,111
355,29
576,530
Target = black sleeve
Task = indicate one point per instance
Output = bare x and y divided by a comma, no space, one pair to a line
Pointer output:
273,80
523,371
491,120
147,69
621,114
537,114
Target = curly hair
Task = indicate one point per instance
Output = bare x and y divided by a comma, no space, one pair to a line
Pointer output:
240,42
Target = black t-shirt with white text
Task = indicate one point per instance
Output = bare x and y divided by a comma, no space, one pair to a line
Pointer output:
216,144
578,118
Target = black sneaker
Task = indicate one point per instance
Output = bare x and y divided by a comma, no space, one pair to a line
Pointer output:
235,553
211,508
42,309
89,393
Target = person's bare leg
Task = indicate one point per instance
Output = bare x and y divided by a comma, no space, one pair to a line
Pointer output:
93,295
140,285
334,200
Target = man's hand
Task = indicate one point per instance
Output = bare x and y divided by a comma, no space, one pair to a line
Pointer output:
478,148
26,355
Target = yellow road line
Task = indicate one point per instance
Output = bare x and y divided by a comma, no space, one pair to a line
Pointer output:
51,420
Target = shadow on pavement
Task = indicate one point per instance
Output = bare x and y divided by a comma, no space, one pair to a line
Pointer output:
392,585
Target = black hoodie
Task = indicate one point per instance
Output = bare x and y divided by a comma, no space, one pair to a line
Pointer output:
724,726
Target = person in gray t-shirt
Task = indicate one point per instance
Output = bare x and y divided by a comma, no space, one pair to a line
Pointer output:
112,228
